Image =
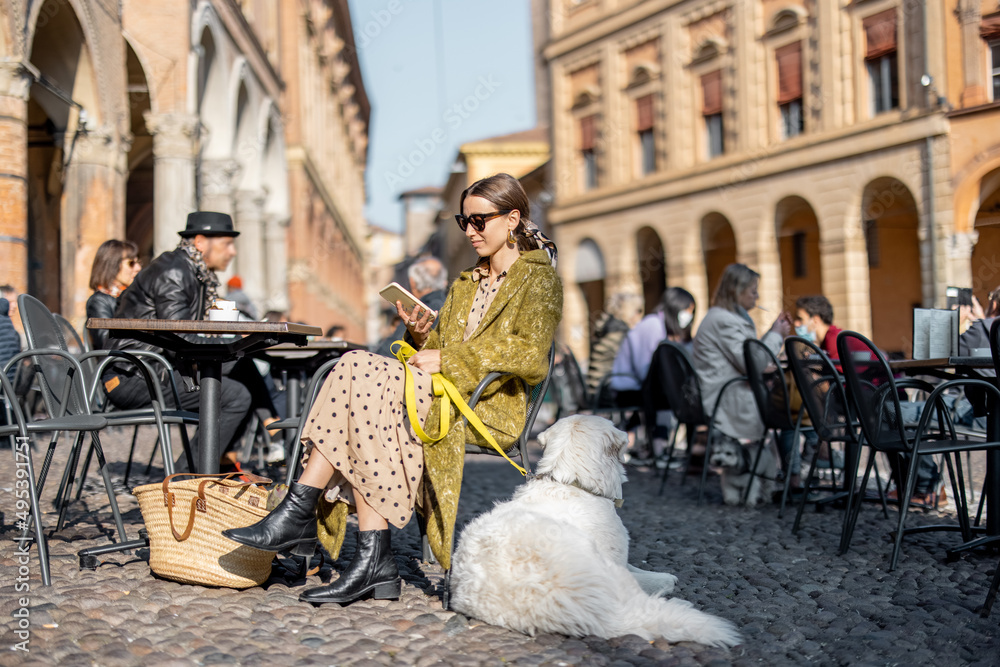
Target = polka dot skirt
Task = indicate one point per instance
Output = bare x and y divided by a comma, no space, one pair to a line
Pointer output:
359,424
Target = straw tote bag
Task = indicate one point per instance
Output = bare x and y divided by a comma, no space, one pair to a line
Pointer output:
185,519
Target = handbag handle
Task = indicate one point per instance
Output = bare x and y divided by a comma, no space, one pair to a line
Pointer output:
168,497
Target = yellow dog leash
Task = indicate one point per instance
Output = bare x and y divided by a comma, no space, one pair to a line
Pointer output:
449,394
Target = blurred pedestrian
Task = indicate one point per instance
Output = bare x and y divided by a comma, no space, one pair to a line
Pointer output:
234,292
115,266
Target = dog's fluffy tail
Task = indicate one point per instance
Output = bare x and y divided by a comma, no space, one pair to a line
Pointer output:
676,621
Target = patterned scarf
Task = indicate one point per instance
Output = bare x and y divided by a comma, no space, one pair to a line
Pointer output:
543,242
205,275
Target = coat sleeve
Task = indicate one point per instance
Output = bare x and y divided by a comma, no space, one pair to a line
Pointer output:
173,296
730,342
519,345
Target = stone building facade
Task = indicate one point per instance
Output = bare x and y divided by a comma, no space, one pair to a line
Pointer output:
118,119
844,148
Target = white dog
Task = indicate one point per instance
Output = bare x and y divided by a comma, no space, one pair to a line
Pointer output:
554,558
736,462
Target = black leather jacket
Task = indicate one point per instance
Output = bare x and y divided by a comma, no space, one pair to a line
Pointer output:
102,306
167,289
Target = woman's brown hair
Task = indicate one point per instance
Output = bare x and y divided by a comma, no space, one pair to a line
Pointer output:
735,280
506,193
108,261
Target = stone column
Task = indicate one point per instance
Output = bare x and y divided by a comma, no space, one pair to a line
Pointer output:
959,269
275,248
250,262
970,16
218,185
15,83
175,149
93,208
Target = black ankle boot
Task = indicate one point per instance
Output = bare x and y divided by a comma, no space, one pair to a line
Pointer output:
290,525
372,572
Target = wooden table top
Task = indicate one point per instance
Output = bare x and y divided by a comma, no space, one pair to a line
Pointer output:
204,326
942,363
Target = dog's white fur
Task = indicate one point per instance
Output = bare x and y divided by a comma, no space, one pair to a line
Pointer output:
554,558
727,455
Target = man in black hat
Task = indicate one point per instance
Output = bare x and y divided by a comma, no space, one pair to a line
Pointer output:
181,284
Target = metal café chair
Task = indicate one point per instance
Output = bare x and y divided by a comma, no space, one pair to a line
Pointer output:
519,449
770,392
682,388
51,361
69,414
874,393
825,401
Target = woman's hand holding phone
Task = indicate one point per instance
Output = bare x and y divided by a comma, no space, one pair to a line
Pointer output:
418,322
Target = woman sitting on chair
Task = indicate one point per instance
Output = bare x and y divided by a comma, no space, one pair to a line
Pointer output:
499,316
116,264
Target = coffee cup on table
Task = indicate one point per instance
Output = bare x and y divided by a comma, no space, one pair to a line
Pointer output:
223,311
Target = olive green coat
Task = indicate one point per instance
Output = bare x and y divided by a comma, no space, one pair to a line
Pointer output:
514,336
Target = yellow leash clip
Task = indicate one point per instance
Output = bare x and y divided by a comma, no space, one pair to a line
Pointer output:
449,394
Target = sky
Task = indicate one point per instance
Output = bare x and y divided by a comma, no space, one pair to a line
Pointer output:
438,73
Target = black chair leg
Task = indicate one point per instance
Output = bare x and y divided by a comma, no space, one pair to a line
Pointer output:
854,507
22,453
805,492
670,457
83,473
704,469
753,471
991,596
106,475
904,507
131,453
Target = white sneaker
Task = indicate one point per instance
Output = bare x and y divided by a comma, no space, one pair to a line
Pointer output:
275,453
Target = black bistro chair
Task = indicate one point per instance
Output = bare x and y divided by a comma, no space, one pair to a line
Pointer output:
682,389
770,392
874,394
18,430
824,399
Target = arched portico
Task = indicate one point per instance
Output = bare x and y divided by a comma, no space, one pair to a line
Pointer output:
797,233
889,222
718,244
590,275
652,267
986,223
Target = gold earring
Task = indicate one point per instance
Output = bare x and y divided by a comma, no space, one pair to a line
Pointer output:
510,237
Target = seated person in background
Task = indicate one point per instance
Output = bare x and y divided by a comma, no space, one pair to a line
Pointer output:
671,319
235,293
428,282
10,342
116,264
621,312
335,332
718,353
977,335
8,292
181,284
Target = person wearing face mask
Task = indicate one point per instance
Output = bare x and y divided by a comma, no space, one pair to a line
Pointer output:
717,353
671,320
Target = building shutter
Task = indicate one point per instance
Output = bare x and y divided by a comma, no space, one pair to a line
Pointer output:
880,34
789,72
990,28
644,107
588,133
711,90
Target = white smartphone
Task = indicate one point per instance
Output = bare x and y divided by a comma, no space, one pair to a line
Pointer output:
394,292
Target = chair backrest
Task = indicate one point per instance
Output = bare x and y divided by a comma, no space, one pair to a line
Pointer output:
54,373
995,344
822,390
871,388
536,395
76,344
767,382
679,382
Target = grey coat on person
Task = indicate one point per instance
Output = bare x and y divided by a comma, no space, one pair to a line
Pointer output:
718,357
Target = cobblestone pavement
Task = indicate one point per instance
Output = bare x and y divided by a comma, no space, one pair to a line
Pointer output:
793,598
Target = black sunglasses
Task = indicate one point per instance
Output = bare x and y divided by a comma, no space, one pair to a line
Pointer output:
478,220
